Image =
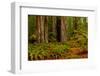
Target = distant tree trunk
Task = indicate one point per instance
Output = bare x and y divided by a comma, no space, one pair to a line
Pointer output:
53,24
75,23
69,27
38,28
63,29
58,29
46,29
41,29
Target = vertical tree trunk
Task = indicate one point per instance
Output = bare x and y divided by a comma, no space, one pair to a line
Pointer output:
46,29
75,23
53,24
38,28
58,29
69,27
63,29
41,29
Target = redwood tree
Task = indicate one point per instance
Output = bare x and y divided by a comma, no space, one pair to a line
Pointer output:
63,29
40,28
46,29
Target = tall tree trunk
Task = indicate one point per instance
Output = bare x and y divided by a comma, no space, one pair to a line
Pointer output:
38,28
46,29
63,29
53,24
75,23
41,29
69,27
58,29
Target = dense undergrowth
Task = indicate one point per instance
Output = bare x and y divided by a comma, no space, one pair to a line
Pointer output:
57,50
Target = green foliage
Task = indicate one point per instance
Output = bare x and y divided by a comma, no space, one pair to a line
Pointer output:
32,37
52,37
31,25
47,51
78,37
69,23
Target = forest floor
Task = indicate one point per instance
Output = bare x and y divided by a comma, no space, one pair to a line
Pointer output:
51,51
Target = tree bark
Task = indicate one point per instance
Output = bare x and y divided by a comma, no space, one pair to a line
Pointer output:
53,24
41,29
46,29
58,29
38,28
63,29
